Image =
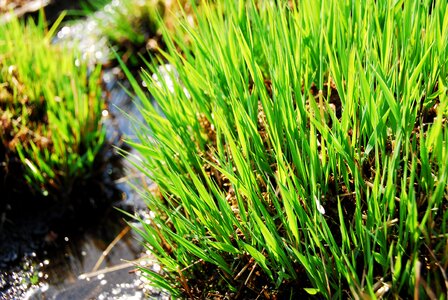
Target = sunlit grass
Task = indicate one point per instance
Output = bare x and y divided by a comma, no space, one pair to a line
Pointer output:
308,155
50,108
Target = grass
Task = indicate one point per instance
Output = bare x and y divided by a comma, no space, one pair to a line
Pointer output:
308,156
131,26
50,110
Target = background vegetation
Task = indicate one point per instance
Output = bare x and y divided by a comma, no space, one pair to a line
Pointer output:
133,26
50,111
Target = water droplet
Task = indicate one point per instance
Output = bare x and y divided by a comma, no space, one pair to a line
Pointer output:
44,287
156,268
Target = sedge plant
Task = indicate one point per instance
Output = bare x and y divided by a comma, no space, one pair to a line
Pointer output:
50,109
302,151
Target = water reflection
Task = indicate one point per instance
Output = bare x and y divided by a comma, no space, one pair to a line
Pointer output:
71,256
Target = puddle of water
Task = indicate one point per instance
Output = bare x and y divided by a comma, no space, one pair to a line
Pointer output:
77,254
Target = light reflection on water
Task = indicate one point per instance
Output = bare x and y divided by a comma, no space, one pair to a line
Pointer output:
80,254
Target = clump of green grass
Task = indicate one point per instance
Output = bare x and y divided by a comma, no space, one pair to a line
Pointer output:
50,109
308,156
131,26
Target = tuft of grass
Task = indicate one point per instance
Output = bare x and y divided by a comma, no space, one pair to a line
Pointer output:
50,109
131,26
302,151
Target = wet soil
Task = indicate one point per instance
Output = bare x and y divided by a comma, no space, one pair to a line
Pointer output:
27,7
20,7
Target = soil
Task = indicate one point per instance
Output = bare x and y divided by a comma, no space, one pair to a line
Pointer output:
22,8
11,5
9,8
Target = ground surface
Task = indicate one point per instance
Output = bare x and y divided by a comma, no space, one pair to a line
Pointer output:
19,7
